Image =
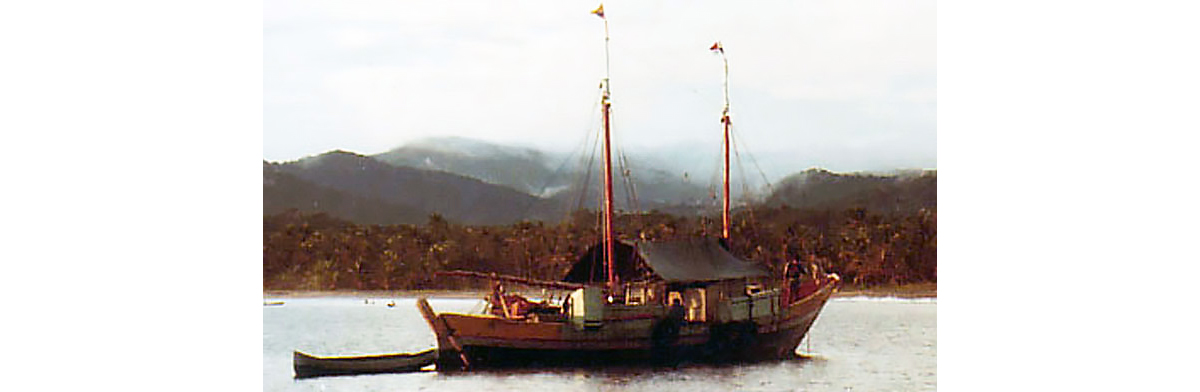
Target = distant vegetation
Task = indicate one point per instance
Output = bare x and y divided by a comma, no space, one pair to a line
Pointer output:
903,193
319,252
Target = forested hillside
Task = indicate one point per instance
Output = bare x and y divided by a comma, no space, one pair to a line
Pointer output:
304,251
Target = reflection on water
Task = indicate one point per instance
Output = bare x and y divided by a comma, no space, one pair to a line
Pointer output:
856,344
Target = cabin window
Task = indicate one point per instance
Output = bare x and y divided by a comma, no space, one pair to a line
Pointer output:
635,295
693,301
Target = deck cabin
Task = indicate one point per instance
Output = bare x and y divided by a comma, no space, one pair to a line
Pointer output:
712,285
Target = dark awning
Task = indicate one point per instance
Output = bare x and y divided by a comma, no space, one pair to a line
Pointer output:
697,259
690,260
590,267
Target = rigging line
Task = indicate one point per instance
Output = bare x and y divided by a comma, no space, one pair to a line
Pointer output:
715,178
630,188
770,188
627,184
624,179
741,167
575,183
622,166
619,165
713,206
748,192
745,187
624,173
580,148
583,196
627,176
637,203
580,183
587,178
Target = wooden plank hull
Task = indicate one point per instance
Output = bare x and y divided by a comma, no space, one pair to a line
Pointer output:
310,366
484,341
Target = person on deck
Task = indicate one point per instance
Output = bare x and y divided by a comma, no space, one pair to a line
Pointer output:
813,269
794,274
676,311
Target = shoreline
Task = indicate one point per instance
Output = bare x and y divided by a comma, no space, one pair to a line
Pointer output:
373,293
907,291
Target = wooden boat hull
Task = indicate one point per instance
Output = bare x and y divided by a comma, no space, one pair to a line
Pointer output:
311,366
480,341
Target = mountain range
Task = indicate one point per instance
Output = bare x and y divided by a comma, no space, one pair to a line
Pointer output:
901,192
473,182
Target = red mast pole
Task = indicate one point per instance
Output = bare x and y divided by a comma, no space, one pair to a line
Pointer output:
608,193
725,120
606,107
725,213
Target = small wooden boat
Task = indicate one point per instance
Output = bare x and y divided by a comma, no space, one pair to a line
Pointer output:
310,366
273,303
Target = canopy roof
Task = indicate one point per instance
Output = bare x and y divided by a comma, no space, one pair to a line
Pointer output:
698,259
590,267
690,260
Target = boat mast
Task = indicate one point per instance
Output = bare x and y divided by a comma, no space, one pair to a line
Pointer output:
725,120
606,108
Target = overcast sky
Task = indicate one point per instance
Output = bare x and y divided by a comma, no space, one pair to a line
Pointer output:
845,85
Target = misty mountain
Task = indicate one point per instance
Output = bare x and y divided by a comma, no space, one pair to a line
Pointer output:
457,198
283,191
523,169
561,179
903,192
473,182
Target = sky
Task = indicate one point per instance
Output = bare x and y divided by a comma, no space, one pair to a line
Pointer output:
1058,97
844,85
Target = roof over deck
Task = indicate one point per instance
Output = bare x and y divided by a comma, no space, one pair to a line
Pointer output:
697,259
689,260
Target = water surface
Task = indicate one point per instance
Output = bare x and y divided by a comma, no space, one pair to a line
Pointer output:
865,344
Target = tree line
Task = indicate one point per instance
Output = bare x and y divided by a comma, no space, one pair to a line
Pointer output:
303,251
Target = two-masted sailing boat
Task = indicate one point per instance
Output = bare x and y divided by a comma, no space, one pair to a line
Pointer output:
639,301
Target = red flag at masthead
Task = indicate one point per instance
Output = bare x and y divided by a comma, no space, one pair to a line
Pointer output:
599,11
717,47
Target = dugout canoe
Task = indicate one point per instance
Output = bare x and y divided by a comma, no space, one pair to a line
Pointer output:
312,366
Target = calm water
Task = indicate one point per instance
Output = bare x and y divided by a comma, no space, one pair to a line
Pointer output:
857,344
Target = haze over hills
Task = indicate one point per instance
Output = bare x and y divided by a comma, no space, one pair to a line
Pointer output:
535,172
524,169
456,197
561,177
474,182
